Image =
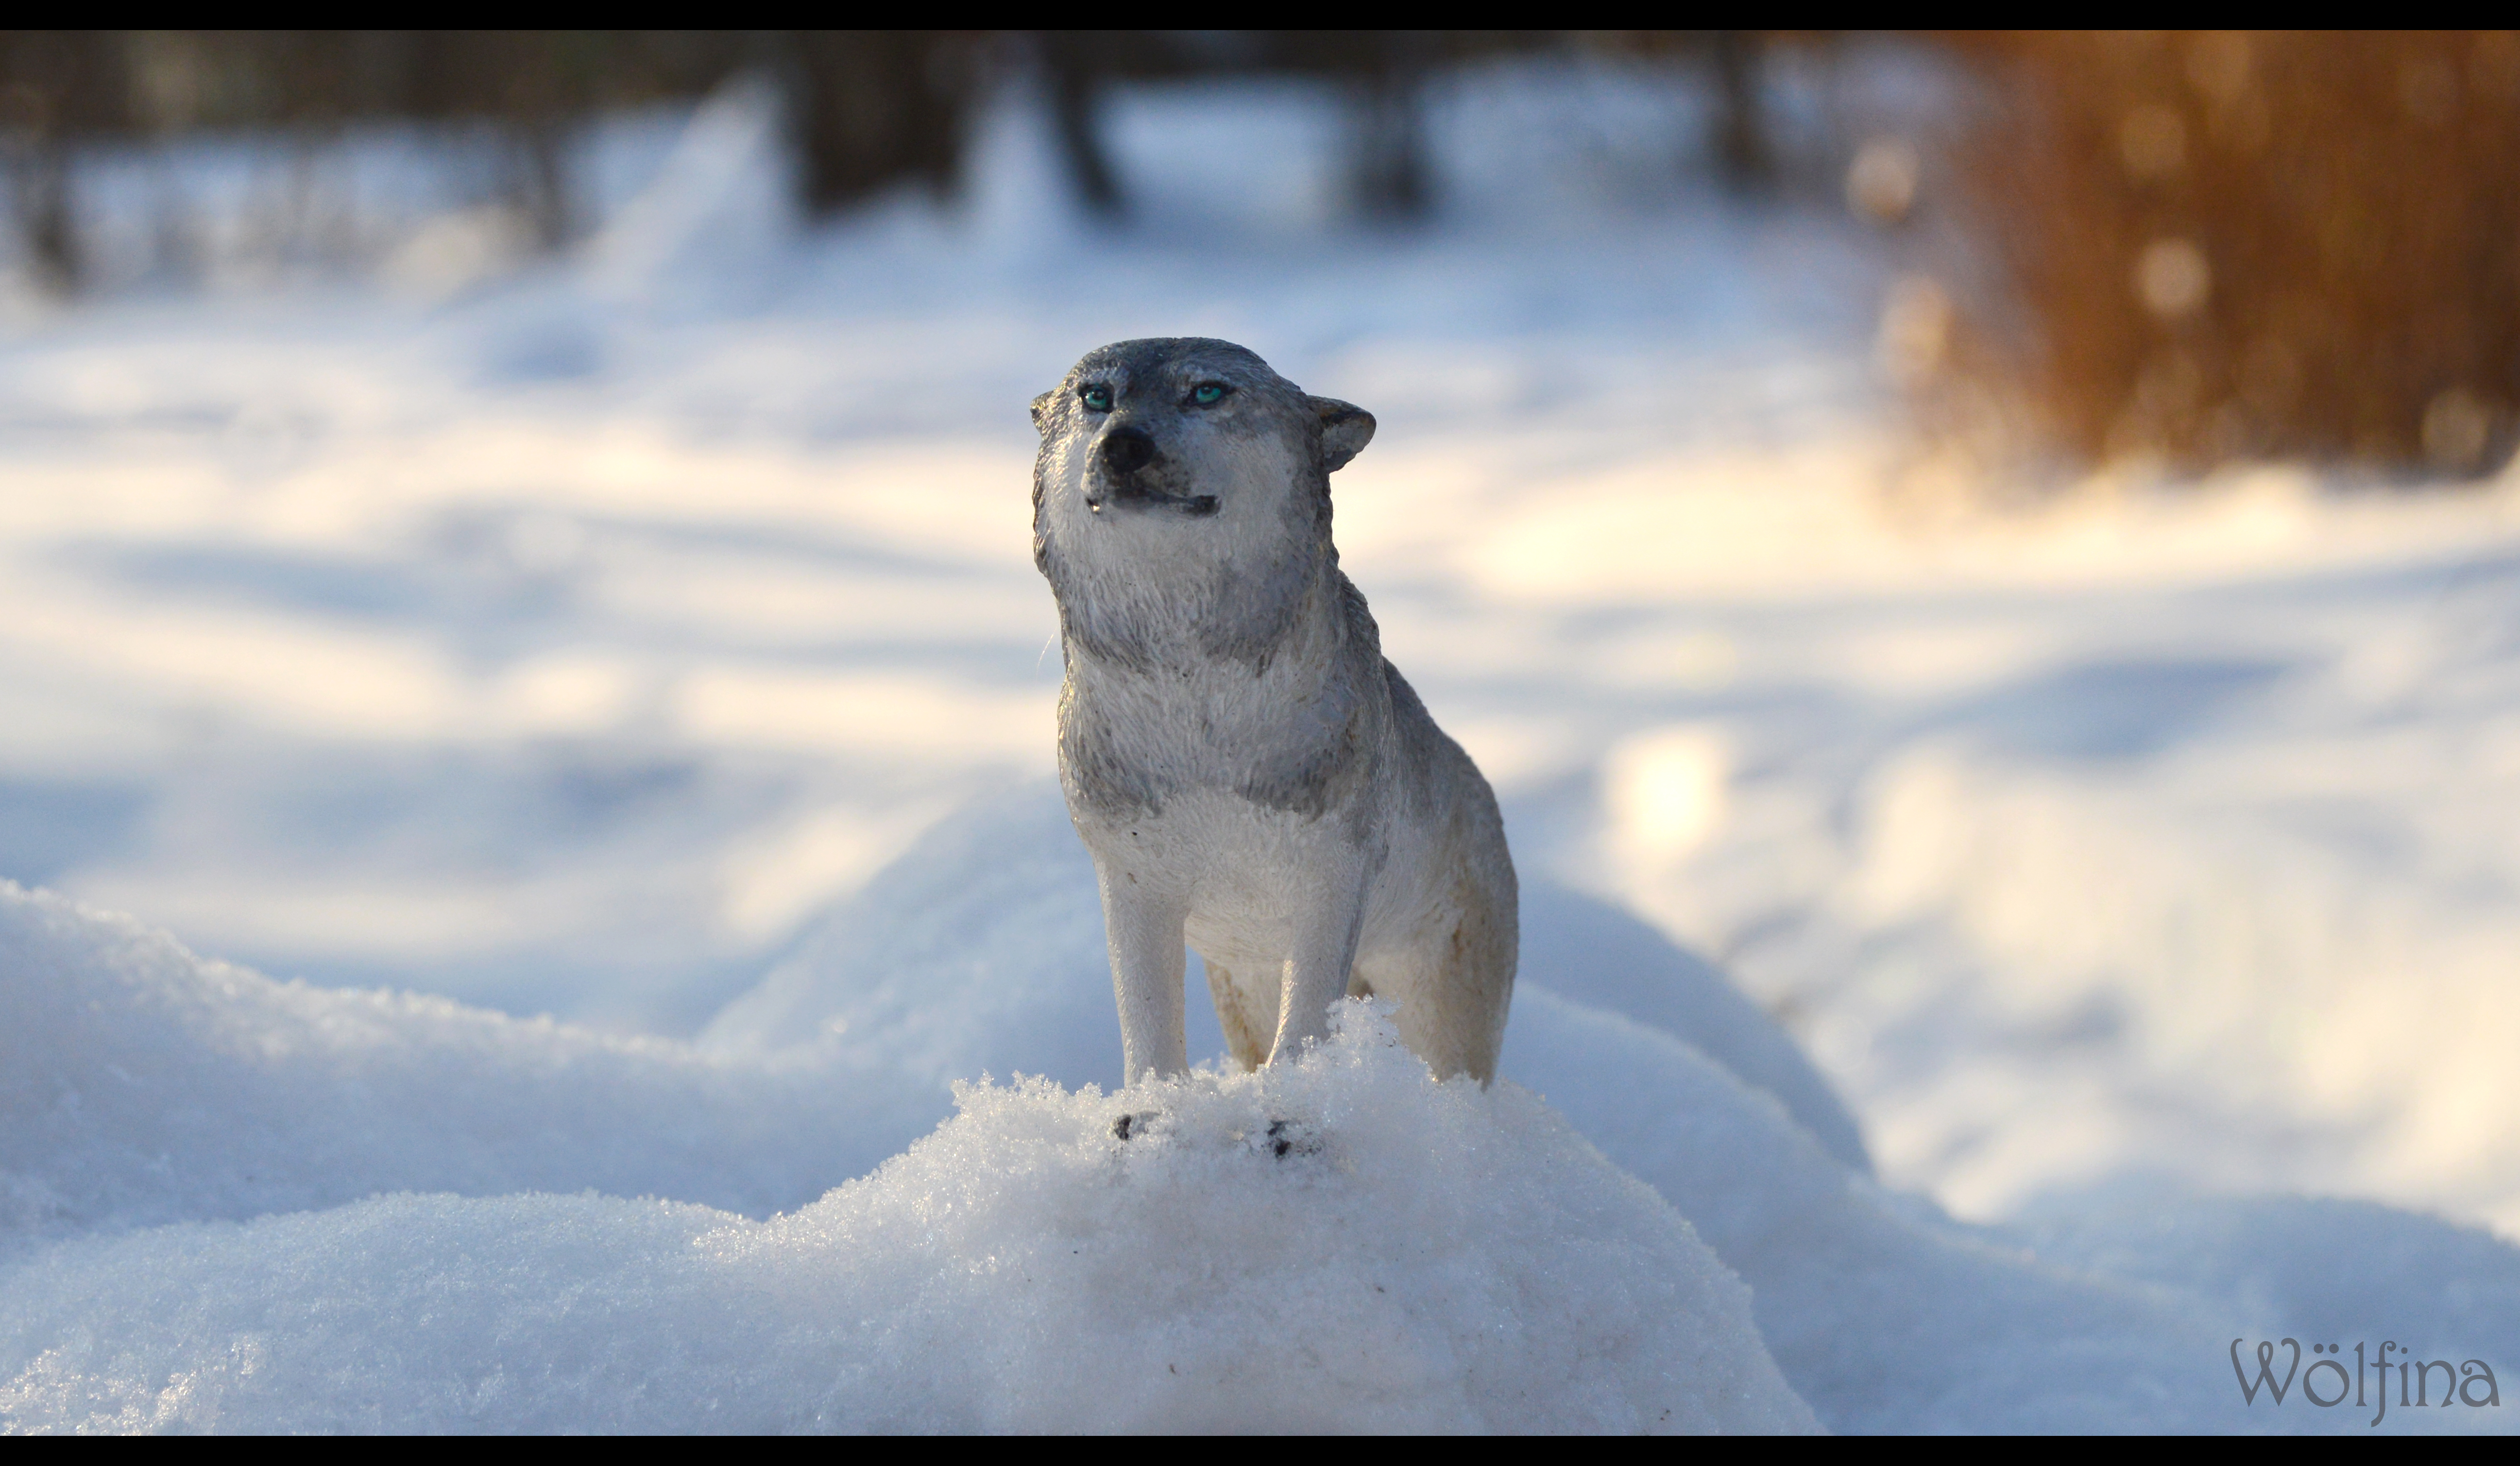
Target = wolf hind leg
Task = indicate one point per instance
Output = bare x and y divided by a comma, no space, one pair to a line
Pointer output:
1453,982
1247,1026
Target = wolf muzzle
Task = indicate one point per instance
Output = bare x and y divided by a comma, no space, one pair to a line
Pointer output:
1126,452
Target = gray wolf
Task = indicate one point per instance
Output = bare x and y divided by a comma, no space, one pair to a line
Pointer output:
1251,777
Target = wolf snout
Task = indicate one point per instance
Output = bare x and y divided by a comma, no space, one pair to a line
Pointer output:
1126,450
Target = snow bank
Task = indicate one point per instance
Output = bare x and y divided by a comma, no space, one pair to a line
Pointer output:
2109,1315
1581,948
1022,1266
982,949
2272,946
1346,1245
979,951
2320,1268
1883,1314
140,1084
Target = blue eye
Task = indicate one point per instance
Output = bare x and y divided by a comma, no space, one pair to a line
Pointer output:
1209,393
1098,399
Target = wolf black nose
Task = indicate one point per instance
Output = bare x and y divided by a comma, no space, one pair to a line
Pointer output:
1126,450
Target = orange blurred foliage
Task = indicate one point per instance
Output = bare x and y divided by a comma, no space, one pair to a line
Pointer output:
2209,245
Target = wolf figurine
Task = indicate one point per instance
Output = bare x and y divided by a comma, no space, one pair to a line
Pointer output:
1251,777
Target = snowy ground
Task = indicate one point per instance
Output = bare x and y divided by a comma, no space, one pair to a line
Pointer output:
579,641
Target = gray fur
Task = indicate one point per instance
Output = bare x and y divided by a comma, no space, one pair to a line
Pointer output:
1242,761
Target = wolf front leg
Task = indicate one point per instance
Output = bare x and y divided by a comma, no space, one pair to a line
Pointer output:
1317,971
1145,930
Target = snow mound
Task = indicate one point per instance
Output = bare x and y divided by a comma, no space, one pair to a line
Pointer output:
140,1083
979,950
982,947
1341,1245
1582,948
1883,1314
1023,1267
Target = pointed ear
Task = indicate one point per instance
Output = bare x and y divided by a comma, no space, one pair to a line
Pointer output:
1037,404
1345,430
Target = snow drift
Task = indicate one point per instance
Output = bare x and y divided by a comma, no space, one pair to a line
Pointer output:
1022,1266
141,1085
1423,1257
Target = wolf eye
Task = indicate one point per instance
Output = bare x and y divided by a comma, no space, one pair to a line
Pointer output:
1209,393
1098,399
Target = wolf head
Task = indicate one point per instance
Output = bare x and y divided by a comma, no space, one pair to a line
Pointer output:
1179,429
1183,490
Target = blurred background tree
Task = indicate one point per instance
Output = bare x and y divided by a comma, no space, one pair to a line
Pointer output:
55,86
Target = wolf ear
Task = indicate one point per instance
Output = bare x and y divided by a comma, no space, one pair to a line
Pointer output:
1039,404
1345,430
